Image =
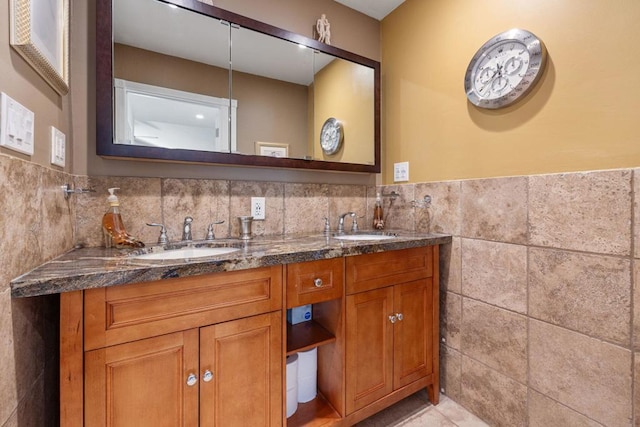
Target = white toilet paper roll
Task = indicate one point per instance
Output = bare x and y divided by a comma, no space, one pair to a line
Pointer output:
307,375
292,371
292,401
292,384
308,362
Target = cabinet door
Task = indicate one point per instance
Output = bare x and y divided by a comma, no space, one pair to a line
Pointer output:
143,383
244,358
413,332
369,347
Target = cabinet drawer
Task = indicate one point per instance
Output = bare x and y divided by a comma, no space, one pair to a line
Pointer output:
372,271
125,313
314,281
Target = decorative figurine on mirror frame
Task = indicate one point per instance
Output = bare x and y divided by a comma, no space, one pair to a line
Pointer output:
323,28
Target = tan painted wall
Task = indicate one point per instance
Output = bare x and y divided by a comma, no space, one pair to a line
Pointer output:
583,114
337,95
24,84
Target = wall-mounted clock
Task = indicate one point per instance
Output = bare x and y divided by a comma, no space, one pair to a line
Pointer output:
331,136
505,69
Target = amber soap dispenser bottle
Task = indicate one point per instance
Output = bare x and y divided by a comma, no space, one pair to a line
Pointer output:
113,229
378,214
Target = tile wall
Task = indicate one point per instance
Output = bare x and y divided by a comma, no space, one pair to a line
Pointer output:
36,224
537,296
537,286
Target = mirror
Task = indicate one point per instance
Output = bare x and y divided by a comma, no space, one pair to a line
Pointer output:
196,83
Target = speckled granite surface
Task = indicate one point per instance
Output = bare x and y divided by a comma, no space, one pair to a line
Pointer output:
87,268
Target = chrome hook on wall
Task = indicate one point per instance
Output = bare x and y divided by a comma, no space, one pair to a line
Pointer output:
68,190
423,204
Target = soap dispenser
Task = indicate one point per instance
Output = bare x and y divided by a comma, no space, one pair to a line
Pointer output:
378,214
115,235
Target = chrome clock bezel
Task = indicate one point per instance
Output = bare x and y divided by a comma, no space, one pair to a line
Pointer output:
331,136
535,66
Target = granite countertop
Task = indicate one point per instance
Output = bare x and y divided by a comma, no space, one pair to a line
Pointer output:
86,268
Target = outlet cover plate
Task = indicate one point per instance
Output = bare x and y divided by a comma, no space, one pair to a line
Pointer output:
57,147
401,172
258,207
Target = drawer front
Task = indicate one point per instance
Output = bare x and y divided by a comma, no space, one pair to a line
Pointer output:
372,271
120,314
314,281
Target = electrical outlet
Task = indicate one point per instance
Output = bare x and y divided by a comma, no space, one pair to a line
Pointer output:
401,172
258,206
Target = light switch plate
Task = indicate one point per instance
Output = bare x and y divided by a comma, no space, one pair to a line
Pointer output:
401,172
16,125
58,147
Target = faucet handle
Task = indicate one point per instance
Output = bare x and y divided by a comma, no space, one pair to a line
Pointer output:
354,224
327,226
163,240
210,235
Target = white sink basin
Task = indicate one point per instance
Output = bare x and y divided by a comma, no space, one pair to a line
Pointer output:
186,253
363,237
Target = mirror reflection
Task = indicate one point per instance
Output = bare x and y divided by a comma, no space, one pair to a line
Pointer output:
187,81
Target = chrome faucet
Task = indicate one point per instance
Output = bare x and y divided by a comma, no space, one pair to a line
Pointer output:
354,224
186,229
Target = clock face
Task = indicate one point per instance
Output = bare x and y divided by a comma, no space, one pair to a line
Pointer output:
331,136
504,69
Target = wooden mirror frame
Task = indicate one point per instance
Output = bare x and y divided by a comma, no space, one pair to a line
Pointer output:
105,102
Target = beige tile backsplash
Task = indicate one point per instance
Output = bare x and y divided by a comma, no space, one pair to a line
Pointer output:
539,294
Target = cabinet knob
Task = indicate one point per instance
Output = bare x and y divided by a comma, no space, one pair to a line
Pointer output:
393,318
192,379
317,282
207,376
399,316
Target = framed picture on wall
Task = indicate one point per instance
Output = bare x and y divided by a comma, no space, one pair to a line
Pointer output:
272,149
40,34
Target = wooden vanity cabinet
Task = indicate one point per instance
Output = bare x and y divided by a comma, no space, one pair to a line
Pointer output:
391,329
202,351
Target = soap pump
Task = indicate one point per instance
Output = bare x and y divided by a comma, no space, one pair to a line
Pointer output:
378,214
115,235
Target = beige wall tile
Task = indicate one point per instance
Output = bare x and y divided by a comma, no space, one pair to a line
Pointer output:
495,398
240,205
495,273
206,201
588,211
348,198
494,209
450,371
544,412
636,212
8,388
588,375
20,218
450,318
140,202
636,306
443,214
587,293
495,337
57,226
636,388
398,212
450,266
305,207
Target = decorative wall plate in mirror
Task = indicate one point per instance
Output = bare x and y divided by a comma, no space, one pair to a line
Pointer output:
200,84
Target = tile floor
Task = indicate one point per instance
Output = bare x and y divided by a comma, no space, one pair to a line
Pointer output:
416,411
